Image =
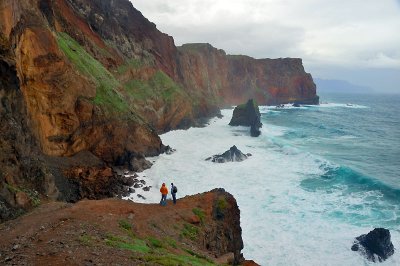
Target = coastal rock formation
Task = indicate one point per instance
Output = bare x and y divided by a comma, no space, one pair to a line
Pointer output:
247,115
23,174
233,79
231,155
97,78
121,232
375,246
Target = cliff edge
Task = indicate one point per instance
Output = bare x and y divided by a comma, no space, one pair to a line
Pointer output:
203,229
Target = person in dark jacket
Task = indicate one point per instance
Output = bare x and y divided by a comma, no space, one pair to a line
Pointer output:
173,192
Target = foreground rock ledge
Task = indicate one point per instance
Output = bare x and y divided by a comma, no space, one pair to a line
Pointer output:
202,228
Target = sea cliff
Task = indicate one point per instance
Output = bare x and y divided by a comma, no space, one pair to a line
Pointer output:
88,85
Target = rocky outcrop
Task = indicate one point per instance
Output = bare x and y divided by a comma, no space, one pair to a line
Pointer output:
233,79
247,115
231,155
95,231
375,246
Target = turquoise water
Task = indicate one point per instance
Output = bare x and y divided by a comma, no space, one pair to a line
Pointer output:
359,137
319,176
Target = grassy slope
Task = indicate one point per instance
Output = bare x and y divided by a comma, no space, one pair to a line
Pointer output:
107,94
164,251
158,86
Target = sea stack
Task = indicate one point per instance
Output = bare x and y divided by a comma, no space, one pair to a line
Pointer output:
376,245
247,115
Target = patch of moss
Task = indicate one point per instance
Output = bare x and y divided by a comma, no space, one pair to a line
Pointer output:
197,255
171,242
12,189
154,242
199,213
168,259
222,204
134,244
160,85
125,224
220,207
107,94
130,64
32,194
190,231
86,240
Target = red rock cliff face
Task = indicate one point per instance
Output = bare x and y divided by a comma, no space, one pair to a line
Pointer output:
60,101
234,79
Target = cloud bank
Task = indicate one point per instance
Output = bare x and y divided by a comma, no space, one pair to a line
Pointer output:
352,34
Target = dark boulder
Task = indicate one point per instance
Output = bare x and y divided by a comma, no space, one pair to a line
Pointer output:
231,155
138,163
247,115
376,245
296,105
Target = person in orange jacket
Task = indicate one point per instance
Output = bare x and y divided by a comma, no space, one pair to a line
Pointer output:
164,193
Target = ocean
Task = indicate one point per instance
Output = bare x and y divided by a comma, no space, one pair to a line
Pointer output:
318,177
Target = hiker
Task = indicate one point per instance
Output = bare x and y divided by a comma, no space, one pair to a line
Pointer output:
164,193
174,189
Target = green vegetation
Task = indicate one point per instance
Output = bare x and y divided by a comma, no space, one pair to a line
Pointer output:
32,194
199,213
130,64
169,259
106,84
154,242
171,242
159,85
190,231
221,204
152,250
125,224
85,240
220,207
134,244
197,255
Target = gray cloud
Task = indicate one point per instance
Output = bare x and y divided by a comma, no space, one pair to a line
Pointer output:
353,34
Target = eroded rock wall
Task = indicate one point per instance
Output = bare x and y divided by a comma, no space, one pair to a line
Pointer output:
233,79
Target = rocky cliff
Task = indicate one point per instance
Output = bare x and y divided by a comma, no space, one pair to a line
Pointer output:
233,79
203,229
88,84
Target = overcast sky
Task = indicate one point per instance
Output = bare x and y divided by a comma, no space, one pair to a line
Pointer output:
354,40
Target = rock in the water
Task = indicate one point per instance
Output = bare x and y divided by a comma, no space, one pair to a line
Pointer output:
138,185
167,150
247,115
376,245
296,105
231,155
140,196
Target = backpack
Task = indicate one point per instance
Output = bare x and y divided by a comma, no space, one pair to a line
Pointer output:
174,189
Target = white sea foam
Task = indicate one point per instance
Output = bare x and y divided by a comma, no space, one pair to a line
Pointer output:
283,224
342,105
